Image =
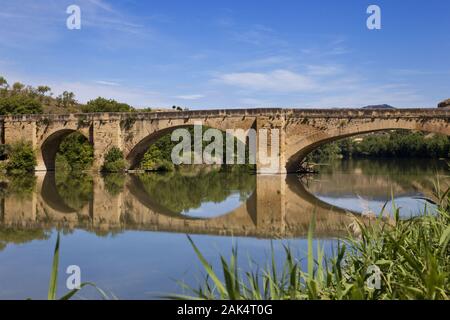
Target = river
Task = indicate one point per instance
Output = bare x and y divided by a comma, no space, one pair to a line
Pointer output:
127,233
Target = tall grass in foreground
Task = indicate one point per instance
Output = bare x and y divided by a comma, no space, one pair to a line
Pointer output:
53,285
413,257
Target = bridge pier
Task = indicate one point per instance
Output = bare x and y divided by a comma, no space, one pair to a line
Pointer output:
271,145
271,203
105,208
104,135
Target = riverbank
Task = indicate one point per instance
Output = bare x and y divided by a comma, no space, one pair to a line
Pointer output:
409,259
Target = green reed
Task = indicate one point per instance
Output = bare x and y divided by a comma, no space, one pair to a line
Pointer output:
53,285
413,257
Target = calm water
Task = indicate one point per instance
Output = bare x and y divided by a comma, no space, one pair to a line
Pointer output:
127,233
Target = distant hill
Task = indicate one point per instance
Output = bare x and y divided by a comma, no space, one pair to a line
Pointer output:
444,104
379,106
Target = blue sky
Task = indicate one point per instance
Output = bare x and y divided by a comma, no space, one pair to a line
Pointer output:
217,54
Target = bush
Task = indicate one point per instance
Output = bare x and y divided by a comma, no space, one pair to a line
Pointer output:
19,104
105,105
114,161
75,153
154,160
21,158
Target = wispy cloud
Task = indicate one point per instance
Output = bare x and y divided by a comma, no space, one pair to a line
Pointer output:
418,72
259,35
277,80
190,97
323,70
107,83
103,5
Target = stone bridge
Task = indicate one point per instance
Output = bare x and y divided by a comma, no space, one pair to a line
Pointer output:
301,130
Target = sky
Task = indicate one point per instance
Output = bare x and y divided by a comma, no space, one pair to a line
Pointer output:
232,54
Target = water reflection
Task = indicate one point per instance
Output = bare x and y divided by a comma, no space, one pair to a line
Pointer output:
368,185
210,201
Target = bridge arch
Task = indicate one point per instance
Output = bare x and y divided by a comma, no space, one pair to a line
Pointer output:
50,146
299,146
50,194
137,152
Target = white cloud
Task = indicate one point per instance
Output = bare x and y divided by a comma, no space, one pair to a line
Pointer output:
107,83
103,5
277,80
323,70
190,97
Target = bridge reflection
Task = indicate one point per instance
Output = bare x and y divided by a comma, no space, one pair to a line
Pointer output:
276,207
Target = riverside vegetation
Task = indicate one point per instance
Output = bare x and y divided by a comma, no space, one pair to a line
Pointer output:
413,257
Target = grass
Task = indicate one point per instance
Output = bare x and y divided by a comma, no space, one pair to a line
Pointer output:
53,285
413,257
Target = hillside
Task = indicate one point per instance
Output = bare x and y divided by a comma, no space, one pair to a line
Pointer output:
18,98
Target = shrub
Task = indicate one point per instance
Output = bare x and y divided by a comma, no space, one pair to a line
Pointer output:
75,153
104,105
21,158
114,161
154,160
19,104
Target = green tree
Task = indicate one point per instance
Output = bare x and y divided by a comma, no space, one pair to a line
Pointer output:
75,153
19,104
66,99
17,87
21,158
114,161
104,105
42,90
3,83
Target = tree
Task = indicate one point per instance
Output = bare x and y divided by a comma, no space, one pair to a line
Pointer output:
3,83
66,99
76,152
114,161
43,90
21,158
19,104
104,105
17,87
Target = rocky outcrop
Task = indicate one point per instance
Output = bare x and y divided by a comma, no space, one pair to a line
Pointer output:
444,104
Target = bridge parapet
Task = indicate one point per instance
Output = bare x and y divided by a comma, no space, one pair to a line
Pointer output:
266,112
